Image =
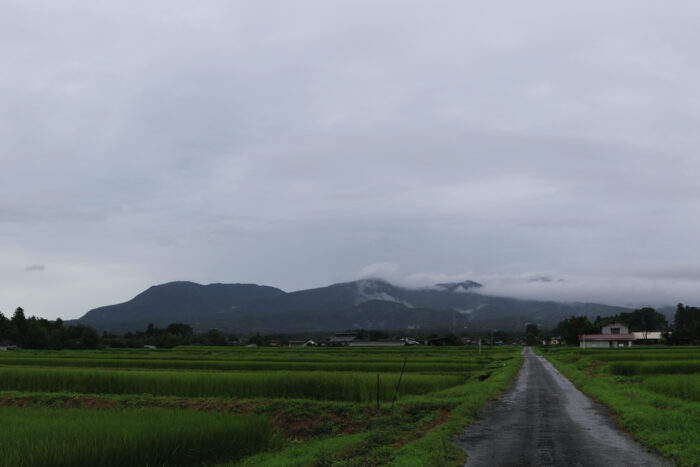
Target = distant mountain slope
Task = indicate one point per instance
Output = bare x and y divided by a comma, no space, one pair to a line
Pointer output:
368,304
186,302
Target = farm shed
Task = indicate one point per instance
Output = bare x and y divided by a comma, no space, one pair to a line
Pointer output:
343,338
438,341
652,337
613,335
306,343
8,345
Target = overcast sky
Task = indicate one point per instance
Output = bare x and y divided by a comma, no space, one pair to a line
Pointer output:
545,149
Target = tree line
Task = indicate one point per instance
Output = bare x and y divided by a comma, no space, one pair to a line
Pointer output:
40,333
685,328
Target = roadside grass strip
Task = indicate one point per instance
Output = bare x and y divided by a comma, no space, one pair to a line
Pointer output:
660,411
78,437
356,387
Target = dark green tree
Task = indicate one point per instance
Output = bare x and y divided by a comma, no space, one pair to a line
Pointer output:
89,339
180,329
573,327
20,321
532,334
686,324
216,337
647,320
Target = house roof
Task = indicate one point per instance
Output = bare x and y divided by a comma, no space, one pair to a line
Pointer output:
607,337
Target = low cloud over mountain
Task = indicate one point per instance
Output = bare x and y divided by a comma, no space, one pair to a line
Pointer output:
365,303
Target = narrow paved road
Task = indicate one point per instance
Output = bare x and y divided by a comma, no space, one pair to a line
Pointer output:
543,420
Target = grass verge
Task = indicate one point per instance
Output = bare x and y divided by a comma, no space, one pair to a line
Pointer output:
669,425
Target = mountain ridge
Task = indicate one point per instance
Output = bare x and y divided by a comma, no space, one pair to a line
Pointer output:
371,303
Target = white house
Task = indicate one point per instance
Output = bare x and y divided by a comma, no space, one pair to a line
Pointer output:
648,337
612,336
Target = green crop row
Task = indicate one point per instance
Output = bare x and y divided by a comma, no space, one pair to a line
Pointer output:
638,356
281,354
415,367
682,386
654,367
77,437
421,366
358,387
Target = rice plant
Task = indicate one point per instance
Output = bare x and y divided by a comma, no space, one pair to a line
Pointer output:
358,387
682,386
76,437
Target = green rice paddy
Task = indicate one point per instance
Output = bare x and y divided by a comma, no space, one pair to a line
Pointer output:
81,437
244,406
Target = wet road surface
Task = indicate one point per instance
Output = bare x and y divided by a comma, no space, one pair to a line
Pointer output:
543,420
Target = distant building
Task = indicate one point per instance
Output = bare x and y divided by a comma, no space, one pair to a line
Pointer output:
8,345
440,341
306,343
612,336
647,337
342,338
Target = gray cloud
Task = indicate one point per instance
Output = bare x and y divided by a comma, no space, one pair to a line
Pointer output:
295,144
35,268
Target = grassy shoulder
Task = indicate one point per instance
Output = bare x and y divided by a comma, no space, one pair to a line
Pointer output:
667,424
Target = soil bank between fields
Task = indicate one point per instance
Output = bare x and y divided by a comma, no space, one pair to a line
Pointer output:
543,420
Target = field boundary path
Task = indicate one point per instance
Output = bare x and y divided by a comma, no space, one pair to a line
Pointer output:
543,420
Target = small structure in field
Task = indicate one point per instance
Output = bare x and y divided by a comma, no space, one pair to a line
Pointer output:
306,343
440,341
651,337
8,345
612,336
342,338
